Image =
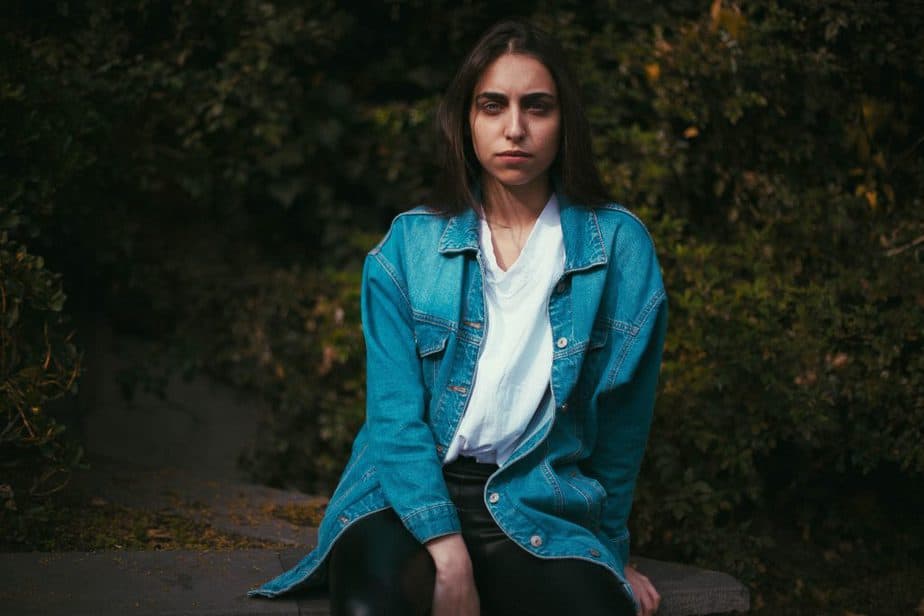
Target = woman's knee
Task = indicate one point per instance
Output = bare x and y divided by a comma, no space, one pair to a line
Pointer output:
378,567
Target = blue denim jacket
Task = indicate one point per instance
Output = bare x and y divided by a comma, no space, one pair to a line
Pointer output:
567,490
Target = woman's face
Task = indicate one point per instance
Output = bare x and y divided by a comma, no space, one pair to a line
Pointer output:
515,120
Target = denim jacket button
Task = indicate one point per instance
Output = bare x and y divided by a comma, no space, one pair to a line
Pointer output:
493,498
564,407
595,553
560,287
343,519
535,541
562,342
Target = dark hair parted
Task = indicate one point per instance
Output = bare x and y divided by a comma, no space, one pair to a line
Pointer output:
574,165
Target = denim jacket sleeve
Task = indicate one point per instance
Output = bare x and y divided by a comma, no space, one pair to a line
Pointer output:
625,406
407,465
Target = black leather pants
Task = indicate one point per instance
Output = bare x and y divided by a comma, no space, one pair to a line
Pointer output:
378,568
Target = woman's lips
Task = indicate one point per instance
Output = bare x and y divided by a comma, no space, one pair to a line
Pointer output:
513,156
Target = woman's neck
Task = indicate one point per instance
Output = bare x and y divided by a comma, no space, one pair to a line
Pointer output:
514,206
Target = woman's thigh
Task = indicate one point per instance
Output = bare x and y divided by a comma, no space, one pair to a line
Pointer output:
378,567
513,582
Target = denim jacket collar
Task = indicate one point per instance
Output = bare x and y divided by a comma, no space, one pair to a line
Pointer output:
584,245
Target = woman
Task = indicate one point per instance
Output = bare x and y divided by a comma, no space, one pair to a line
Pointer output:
513,340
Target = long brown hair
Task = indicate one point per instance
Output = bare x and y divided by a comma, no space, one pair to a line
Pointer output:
573,168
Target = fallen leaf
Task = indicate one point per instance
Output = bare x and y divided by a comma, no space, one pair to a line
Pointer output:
159,533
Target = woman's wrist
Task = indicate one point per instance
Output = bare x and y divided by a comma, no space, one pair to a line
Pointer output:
449,554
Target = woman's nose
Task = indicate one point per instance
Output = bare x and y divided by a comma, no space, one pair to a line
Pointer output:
514,129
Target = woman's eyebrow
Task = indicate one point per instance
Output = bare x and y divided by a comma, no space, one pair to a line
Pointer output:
492,96
526,98
534,97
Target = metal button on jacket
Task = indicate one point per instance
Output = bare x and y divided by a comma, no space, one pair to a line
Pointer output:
535,541
493,498
562,342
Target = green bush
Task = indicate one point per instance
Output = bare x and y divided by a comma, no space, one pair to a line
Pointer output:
38,364
293,335
39,361
780,177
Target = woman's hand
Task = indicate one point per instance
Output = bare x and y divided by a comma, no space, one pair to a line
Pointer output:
455,593
644,591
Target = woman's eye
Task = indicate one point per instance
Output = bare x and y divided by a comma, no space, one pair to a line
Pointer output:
539,107
491,107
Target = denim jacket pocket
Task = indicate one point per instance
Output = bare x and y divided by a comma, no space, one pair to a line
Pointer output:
595,355
598,337
431,341
358,469
594,361
587,495
619,545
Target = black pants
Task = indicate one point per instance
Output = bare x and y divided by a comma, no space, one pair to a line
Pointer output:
378,568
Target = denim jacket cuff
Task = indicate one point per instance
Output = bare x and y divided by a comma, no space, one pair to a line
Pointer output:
433,521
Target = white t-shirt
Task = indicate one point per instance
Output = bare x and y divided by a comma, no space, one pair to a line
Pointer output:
515,364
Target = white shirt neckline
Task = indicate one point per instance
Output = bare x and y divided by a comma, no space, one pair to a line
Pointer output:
522,271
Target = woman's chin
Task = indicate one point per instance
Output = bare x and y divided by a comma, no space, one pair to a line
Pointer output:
515,181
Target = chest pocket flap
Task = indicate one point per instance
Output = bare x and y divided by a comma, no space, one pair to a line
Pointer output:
430,338
598,336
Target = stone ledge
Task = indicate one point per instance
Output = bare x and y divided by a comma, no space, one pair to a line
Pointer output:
139,583
685,590
174,583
